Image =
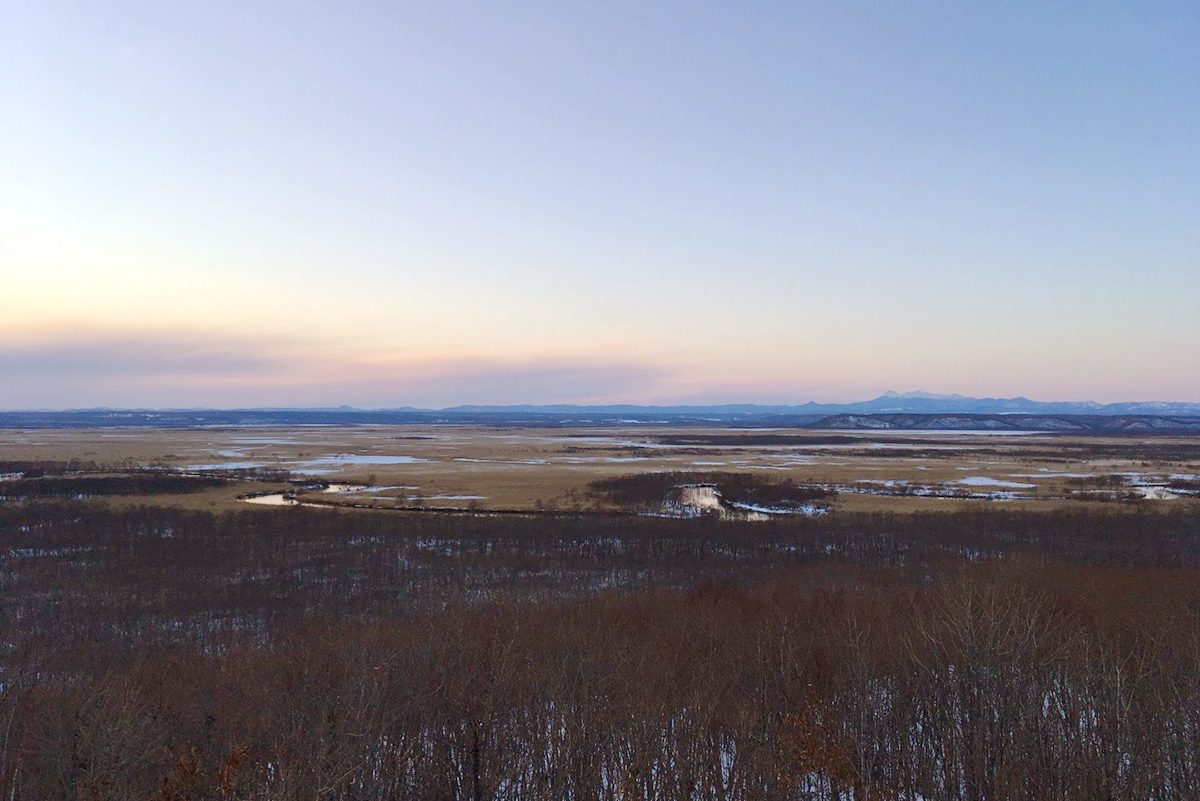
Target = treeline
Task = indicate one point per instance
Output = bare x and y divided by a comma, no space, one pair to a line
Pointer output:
1000,681
81,468
1189,486
113,580
159,653
44,467
649,490
89,486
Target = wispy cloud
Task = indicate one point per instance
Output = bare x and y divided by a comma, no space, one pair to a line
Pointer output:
121,357
189,368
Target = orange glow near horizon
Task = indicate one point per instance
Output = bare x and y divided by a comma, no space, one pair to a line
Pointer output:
157,366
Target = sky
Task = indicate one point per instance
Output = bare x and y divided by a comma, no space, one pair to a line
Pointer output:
387,204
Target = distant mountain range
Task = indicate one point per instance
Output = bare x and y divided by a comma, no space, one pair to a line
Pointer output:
887,403
1065,423
910,410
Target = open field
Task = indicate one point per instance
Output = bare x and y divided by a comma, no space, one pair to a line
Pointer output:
481,467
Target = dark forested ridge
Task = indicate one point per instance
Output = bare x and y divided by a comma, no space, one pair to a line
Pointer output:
157,653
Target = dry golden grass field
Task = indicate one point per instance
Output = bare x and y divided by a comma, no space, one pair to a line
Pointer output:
480,467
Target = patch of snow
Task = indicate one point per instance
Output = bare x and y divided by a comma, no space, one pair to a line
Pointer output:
808,509
274,499
700,496
1156,493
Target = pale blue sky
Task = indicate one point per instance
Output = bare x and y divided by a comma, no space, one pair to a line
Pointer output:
386,204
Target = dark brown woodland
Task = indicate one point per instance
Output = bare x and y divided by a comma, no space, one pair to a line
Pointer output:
152,653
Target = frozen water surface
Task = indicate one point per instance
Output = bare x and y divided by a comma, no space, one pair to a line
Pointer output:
984,481
447,497
341,459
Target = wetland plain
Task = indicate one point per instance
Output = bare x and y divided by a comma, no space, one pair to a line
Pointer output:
483,468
